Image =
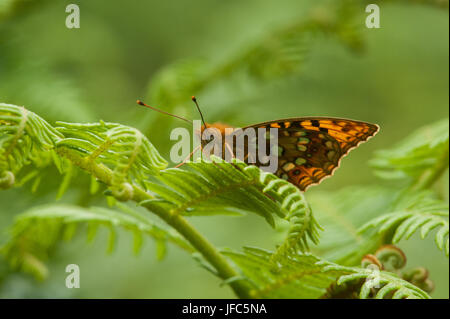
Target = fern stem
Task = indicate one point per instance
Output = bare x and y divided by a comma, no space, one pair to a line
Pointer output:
99,171
432,175
18,134
210,253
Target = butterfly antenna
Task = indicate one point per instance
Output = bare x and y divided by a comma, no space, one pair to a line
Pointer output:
199,111
163,112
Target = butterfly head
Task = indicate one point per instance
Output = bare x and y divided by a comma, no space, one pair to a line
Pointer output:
221,127
218,126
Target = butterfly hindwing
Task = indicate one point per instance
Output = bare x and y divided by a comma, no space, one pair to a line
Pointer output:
310,149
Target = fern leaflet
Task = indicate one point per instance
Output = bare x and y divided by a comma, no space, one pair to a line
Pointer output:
373,283
219,187
37,231
421,211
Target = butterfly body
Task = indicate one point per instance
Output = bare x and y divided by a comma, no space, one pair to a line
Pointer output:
309,148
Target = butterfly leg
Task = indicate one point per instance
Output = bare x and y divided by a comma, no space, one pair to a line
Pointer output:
249,158
188,157
228,148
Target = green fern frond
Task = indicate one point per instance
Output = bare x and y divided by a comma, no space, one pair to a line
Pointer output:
298,276
219,187
37,232
25,138
422,154
308,276
299,232
125,150
341,213
422,212
373,283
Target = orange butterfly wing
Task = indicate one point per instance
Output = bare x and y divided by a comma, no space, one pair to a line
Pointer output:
311,148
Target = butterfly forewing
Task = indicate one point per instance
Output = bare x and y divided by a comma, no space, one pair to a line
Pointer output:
310,149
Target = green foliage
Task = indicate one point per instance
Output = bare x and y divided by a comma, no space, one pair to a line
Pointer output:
356,221
41,83
376,284
219,187
275,55
7,6
120,156
438,3
26,138
278,54
298,276
125,150
424,152
421,211
379,217
359,220
123,159
307,276
341,213
36,233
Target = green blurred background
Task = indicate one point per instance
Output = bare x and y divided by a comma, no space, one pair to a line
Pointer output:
399,80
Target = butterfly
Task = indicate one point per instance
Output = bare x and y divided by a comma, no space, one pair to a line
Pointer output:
309,148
